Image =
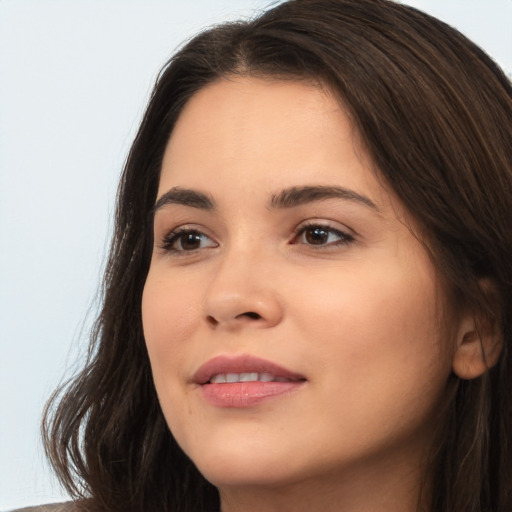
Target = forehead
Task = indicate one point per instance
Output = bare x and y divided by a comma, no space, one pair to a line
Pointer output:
266,134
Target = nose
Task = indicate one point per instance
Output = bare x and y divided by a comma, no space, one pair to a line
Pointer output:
243,293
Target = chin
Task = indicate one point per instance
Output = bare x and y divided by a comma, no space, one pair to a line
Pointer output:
247,474
244,466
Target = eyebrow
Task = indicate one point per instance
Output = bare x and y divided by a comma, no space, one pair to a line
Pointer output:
296,196
287,198
185,197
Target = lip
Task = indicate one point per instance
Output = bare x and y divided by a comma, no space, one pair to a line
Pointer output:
241,364
244,394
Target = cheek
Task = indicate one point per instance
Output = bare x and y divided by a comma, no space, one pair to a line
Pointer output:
169,313
367,306
169,316
377,336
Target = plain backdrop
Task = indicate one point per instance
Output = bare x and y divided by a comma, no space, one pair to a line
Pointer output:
74,79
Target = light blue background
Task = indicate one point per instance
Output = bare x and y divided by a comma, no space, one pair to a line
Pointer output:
74,79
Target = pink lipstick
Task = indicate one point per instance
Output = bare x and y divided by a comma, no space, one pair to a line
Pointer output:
243,381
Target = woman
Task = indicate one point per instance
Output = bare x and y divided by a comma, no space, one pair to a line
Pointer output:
308,299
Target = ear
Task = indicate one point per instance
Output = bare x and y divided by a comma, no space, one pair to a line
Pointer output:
479,340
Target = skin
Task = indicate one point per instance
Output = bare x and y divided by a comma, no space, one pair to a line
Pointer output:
360,319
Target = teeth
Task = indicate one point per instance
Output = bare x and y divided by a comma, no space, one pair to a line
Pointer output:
222,378
248,377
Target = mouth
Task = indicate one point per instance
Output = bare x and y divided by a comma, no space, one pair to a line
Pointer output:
244,381
222,378
243,368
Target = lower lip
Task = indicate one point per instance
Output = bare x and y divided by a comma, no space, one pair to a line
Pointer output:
246,394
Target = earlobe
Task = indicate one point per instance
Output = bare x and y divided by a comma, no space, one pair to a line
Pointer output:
478,348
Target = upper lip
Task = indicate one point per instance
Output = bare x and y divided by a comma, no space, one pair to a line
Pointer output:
241,364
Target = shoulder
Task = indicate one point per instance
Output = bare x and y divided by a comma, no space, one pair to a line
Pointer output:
69,506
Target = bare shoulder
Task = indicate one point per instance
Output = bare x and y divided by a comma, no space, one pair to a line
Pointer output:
68,506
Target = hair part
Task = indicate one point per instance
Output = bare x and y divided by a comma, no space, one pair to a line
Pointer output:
435,114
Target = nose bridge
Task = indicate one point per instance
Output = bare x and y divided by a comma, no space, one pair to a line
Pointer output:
242,288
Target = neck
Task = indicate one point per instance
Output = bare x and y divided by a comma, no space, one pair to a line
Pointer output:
393,486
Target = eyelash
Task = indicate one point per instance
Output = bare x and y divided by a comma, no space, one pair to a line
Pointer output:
174,236
344,238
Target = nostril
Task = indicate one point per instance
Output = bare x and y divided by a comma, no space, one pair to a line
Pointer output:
211,320
250,314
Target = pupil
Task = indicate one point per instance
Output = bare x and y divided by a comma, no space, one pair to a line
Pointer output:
316,236
190,241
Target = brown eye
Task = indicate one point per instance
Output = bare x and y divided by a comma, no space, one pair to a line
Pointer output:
189,241
322,236
316,236
186,240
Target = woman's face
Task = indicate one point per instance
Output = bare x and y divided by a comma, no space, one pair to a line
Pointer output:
282,264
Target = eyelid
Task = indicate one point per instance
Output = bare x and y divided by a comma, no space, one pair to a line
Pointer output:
346,235
325,223
172,236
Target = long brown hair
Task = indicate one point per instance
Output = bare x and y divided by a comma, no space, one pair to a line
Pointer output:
435,114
